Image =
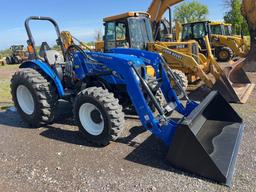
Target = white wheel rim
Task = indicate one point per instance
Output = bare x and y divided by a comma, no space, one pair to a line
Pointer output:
25,100
87,122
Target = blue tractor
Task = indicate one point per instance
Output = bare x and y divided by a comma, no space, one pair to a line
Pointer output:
204,139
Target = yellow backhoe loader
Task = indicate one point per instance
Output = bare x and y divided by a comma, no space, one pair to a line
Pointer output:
134,30
225,47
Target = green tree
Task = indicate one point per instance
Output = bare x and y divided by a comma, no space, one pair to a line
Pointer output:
234,16
191,12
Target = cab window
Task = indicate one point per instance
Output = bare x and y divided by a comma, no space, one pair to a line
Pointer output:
216,29
187,32
110,33
115,35
199,31
120,31
228,30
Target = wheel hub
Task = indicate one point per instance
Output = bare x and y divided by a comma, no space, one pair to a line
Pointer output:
25,100
91,119
223,54
96,116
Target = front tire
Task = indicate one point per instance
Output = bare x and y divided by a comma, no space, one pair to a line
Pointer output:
183,80
98,115
34,97
224,54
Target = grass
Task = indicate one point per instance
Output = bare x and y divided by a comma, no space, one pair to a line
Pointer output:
6,72
5,95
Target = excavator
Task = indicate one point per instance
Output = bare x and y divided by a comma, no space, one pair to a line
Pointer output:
225,47
140,30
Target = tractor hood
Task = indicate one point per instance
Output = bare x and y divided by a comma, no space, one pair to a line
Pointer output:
137,62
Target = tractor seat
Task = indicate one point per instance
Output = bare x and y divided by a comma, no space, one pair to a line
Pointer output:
50,56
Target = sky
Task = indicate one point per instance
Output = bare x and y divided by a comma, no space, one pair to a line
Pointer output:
81,17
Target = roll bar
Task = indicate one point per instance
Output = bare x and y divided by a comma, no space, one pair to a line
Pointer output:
30,36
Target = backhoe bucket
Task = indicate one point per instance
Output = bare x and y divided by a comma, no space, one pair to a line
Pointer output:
206,142
234,84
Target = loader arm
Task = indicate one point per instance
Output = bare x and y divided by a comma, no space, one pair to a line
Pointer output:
204,142
178,32
134,84
158,8
215,67
187,60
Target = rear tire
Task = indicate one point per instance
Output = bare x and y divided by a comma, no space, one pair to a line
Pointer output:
224,54
98,115
34,96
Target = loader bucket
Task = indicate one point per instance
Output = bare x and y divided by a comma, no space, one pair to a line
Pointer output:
234,84
206,143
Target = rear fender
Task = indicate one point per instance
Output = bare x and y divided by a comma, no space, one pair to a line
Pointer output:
35,64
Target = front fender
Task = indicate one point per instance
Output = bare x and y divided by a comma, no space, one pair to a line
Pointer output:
47,70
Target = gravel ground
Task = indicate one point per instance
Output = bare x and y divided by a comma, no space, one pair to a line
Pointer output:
56,158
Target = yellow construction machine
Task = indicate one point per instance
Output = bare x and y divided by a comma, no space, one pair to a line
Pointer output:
225,45
18,55
223,31
134,30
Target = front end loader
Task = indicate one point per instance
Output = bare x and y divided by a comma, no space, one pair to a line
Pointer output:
203,140
133,30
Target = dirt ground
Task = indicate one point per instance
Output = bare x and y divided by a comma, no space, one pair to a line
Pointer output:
56,158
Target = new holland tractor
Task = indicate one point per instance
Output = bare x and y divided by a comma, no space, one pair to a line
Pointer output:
204,139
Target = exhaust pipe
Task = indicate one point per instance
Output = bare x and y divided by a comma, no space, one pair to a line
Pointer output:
206,142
